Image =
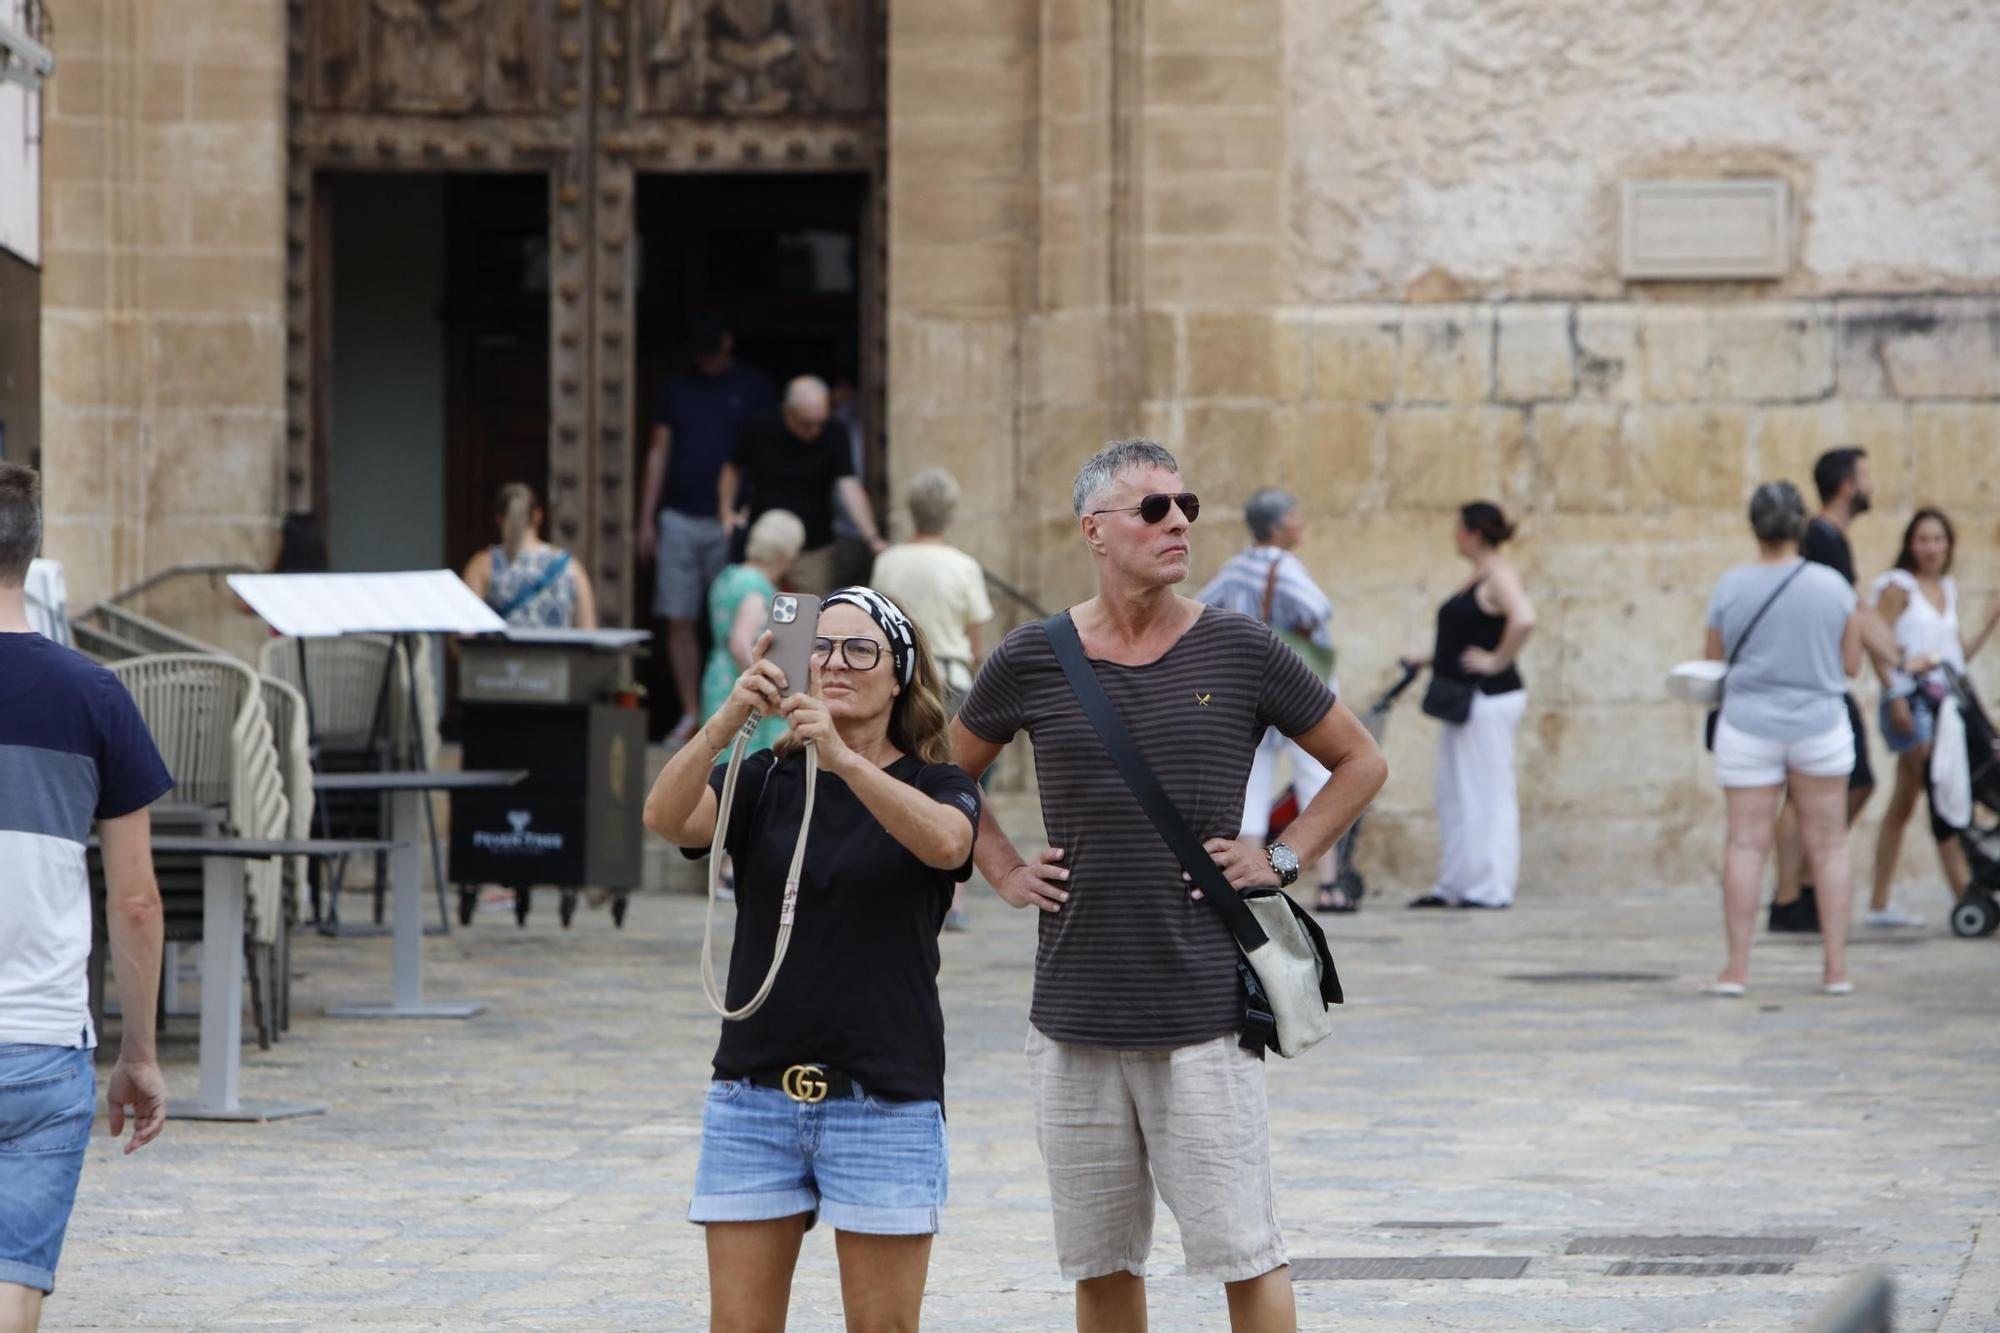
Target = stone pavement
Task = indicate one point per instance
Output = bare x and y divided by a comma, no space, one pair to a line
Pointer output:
530,1168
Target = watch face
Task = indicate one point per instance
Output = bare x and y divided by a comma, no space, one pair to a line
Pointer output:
1285,861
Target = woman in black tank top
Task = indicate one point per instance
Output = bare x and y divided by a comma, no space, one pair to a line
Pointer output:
1480,631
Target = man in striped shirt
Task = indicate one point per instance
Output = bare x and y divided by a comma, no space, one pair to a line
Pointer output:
1137,1075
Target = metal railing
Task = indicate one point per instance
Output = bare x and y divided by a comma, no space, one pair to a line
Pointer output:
1014,594
215,572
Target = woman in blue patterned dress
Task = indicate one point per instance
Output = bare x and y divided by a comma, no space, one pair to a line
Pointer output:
528,582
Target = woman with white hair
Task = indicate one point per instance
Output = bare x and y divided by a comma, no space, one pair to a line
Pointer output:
942,587
944,590
739,606
1788,630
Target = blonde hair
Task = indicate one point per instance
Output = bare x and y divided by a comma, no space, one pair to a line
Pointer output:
775,538
918,721
516,505
933,499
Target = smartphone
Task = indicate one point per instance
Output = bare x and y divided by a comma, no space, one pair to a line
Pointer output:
794,625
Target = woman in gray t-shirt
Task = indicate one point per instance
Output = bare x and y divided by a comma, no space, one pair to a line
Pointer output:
1790,627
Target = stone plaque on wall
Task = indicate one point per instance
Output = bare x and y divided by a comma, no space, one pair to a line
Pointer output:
1705,229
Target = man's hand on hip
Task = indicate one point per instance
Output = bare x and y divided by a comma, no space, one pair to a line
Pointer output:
137,1089
1038,883
1244,864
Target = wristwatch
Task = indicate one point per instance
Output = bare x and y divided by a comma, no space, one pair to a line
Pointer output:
1285,862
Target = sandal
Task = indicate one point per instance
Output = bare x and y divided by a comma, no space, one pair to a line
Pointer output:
1332,898
1432,900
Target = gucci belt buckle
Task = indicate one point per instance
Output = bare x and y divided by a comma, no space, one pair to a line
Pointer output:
805,1083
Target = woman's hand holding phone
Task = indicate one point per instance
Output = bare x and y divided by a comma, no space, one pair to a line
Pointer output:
810,719
756,691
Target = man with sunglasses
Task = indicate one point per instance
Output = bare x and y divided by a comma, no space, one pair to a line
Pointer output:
1137,1075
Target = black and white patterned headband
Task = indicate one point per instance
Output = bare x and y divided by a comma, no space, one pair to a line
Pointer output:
893,623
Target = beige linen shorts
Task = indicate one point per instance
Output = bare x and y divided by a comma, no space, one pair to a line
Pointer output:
1114,1124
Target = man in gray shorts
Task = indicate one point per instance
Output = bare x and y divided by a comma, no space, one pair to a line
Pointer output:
695,423
1139,1082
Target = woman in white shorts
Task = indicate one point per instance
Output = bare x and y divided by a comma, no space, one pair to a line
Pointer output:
1784,723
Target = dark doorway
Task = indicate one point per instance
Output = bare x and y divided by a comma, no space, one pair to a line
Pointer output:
781,260
439,361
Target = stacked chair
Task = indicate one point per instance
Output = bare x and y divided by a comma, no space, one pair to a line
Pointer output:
358,715
209,720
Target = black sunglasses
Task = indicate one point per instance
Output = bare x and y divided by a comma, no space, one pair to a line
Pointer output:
1154,507
859,652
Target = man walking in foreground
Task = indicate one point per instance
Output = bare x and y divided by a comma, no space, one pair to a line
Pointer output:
1137,1076
73,749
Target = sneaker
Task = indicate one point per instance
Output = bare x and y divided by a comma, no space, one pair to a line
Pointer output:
957,921
1796,918
1891,917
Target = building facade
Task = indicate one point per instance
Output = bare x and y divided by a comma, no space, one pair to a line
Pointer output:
364,257
23,66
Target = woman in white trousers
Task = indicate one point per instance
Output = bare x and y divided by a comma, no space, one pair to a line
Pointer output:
1478,691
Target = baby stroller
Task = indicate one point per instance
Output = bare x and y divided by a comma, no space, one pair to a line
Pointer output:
1348,883
1977,913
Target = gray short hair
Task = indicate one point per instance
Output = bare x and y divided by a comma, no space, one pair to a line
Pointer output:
933,499
776,537
1777,512
1104,466
1265,510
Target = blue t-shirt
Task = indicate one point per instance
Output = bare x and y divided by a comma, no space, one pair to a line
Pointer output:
73,749
702,414
1789,680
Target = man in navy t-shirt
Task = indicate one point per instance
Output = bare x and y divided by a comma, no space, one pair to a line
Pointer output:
694,430
73,751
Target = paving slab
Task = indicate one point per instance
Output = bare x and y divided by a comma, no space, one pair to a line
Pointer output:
530,1168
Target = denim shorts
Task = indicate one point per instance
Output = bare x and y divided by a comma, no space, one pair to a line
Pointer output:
46,1097
866,1165
1923,714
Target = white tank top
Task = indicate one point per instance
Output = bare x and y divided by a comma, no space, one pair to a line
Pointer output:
1922,628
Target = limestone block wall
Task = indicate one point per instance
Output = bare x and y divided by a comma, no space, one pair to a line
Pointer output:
163,331
1625,438
1476,149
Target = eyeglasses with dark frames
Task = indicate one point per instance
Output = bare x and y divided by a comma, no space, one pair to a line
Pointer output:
1155,508
858,652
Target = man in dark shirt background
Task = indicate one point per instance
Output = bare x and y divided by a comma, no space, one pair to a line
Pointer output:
796,459
1845,493
695,423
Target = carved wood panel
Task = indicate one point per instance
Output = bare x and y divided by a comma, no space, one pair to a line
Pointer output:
430,56
752,57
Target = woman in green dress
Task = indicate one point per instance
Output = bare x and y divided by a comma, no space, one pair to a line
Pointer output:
739,604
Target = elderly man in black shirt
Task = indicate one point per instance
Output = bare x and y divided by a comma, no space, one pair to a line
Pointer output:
793,459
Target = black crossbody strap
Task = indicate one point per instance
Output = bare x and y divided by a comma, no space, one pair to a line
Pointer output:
1173,829
1751,628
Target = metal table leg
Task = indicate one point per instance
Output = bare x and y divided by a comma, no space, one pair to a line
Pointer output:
222,1006
406,880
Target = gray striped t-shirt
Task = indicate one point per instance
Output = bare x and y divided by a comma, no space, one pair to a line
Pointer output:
1131,960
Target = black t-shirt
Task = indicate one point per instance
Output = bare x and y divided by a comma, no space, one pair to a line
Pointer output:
858,989
781,471
1824,544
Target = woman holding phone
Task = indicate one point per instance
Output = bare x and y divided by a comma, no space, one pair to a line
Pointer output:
847,1053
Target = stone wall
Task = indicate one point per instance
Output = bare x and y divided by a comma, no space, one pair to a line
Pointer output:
1143,268
1625,438
1476,149
163,331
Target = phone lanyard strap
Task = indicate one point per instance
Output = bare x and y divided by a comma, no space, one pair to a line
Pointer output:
724,805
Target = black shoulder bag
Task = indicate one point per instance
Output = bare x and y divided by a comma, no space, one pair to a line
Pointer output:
1286,968
1715,713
